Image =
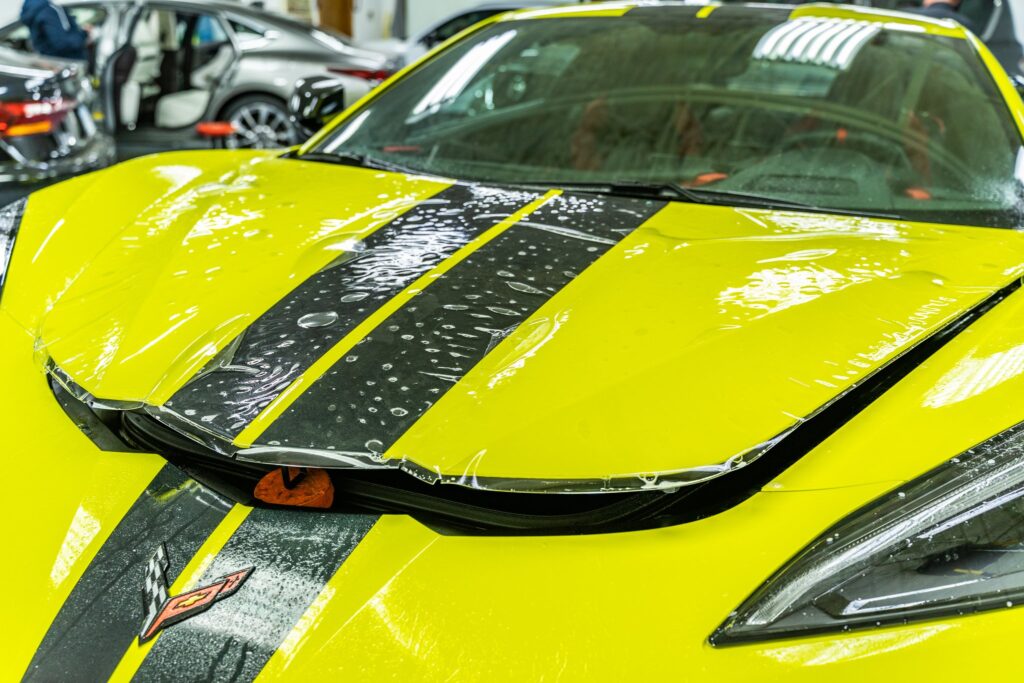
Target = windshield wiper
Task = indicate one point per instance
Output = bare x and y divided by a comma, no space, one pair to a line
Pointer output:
728,198
355,159
626,188
678,192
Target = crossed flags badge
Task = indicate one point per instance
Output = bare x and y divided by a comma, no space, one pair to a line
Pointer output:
162,610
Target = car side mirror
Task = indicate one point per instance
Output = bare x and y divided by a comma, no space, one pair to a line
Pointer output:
315,102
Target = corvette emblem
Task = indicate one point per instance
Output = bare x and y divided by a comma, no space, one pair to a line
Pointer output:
162,610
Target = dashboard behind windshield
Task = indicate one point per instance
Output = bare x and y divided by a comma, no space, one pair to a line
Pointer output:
833,112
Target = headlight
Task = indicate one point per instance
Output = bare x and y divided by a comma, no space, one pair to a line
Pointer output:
10,221
950,542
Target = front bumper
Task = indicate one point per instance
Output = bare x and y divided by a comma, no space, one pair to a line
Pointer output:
410,604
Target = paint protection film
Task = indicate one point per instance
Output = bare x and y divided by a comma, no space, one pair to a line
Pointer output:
516,340
337,306
491,337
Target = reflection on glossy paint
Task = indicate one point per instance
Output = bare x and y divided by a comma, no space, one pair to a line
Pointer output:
852,648
817,224
393,624
459,76
309,619
351,129
53,231
771,290
974,376
84,528
917,324
802,255
539,333
218,219
177,176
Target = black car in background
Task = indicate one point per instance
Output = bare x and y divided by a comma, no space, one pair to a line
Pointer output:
50,123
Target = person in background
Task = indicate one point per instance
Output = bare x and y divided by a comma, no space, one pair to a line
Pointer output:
53,31
944,9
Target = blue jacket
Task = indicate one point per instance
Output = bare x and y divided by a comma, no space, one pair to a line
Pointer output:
53,31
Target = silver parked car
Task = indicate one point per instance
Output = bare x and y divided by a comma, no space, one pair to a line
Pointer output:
167,65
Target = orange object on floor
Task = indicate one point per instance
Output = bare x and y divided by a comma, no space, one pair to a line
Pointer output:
215,129
298,487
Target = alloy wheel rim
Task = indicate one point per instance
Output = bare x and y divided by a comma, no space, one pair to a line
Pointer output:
261,126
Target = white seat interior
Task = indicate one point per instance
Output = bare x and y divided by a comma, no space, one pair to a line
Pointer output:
142,81
185,108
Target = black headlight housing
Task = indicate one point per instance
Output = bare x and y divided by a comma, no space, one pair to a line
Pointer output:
948,543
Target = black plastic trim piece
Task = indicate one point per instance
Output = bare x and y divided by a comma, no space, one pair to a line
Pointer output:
89,421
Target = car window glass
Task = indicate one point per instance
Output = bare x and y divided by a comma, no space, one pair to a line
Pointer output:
16,37
246,33
208,30
886,119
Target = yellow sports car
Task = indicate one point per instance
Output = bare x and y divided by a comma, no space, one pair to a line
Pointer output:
625,342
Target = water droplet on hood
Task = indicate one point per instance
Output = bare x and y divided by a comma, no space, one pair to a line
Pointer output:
319,319
501,310
523,287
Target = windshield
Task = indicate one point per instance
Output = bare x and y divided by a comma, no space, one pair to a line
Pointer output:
839,114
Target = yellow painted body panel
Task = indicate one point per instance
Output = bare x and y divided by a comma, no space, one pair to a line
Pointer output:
409,605
965,393
655,358
531,604
61,500
655,333
603,9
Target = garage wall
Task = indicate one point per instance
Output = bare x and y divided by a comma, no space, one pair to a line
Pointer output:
371,19
423,13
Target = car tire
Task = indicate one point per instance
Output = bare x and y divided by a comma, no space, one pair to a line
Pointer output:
261,122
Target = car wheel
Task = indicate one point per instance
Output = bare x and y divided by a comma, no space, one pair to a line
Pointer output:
261,122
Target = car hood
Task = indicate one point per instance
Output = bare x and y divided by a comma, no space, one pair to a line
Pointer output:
309,313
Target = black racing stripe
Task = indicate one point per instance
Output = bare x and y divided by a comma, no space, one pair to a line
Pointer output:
367,400
293,554
103,614
286,340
